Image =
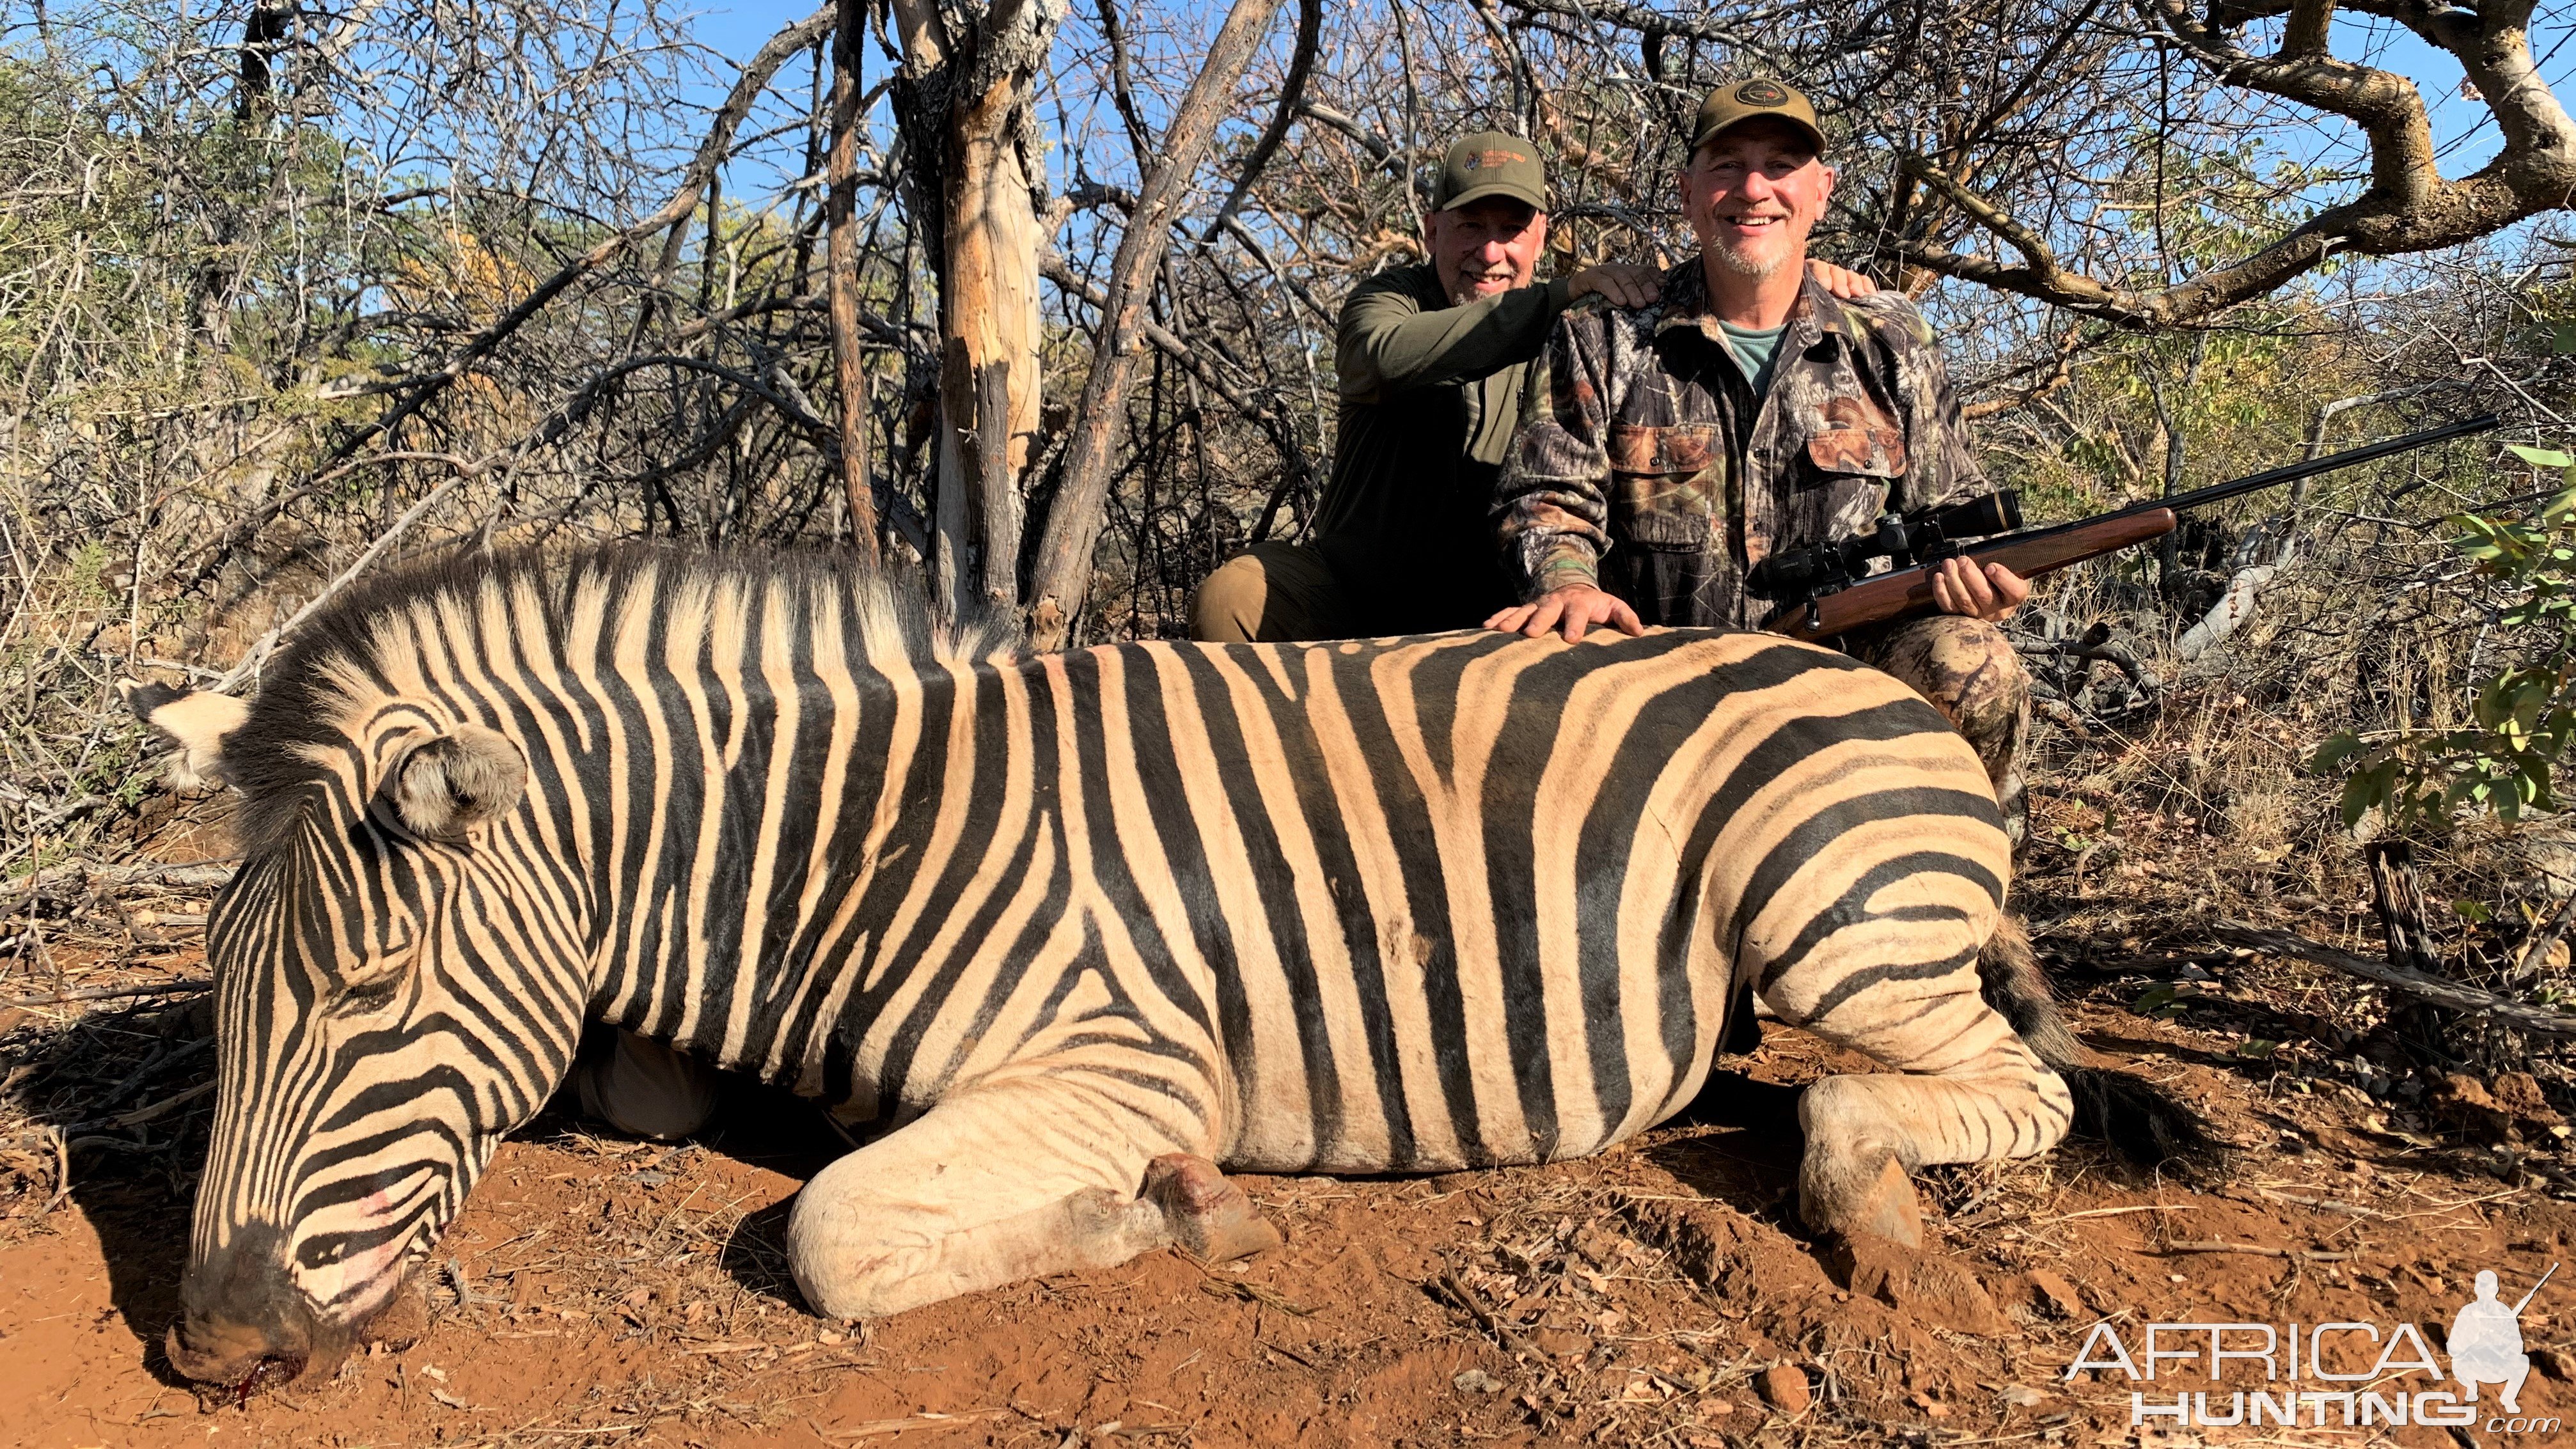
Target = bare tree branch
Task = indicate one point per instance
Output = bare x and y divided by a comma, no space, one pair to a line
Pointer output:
1061,578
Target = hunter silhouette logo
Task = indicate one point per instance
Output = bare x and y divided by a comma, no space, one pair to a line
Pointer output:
2486,1342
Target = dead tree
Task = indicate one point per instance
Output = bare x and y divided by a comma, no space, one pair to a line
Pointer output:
841,261
2408,205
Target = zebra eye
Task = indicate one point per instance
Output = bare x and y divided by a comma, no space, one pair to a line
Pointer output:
369,996
371,984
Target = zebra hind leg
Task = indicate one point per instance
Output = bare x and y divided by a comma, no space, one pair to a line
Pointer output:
1966,1088
1004,1182
2144,1123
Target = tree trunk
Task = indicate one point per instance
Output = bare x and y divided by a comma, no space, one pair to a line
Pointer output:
841,259
963,106
1060,578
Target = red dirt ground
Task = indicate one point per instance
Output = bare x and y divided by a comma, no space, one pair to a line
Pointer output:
616,1292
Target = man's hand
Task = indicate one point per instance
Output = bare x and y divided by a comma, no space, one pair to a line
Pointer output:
1573,608
1840,281
1991,593
1624,286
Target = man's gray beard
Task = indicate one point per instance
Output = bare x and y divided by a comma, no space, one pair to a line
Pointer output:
1744,266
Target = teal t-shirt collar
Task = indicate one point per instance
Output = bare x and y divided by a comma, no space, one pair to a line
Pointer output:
1753,348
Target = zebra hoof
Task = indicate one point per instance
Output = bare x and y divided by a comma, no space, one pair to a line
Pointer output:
1857,1205
1208,1214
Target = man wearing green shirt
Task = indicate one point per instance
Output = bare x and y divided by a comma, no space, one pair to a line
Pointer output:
1430,360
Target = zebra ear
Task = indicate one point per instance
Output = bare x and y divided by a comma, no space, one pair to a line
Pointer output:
452,782
196,721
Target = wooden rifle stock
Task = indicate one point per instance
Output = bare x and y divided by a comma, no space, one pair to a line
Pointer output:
1900,593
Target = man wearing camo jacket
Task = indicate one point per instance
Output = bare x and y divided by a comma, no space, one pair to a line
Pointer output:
1665,450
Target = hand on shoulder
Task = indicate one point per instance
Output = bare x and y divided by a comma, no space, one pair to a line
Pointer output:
1618,284
1843,282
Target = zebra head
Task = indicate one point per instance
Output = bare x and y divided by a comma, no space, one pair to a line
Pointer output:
399,981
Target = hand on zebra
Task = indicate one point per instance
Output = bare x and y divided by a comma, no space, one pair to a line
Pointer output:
1991,593
1573,608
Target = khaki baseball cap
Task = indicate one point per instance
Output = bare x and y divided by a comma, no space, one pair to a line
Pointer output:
1740,101
1491,163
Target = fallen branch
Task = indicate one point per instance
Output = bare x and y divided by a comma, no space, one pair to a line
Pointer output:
111,993
2214,1246
96,877
2413,983
1503,1333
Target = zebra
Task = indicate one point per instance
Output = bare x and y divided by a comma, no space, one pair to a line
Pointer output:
1083,930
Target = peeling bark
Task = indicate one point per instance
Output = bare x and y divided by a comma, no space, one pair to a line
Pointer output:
963,104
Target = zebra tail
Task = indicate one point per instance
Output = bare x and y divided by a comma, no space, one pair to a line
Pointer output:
2144,1123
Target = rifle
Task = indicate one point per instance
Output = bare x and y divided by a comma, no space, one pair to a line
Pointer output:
2535,1290
1826,590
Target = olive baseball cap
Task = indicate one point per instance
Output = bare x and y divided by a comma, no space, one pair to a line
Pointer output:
1740,101
1491,163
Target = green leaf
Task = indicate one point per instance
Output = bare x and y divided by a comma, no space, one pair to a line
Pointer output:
2540,457
2338,747
2472,911
2562,337
2156,999
2256,1048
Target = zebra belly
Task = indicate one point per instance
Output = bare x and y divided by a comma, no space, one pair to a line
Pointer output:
1419,1101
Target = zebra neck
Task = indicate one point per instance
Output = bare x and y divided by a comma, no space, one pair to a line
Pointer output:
754,905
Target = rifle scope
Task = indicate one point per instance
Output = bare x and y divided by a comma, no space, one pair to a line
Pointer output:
1901,540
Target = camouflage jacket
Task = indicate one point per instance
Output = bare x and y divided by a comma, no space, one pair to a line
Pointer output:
1645,463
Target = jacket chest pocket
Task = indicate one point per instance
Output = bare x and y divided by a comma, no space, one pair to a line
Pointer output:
1667,484
1852,441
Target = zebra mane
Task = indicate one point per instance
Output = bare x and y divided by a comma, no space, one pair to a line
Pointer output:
269,756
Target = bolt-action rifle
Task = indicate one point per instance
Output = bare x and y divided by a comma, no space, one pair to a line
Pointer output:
1828,589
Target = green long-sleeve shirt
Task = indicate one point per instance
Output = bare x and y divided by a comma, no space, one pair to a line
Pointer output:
1430,395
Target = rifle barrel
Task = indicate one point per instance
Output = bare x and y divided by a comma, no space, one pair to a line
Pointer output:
2535,1290
2286,473
2366,453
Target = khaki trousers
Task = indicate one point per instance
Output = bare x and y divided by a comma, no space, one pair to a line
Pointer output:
1271,593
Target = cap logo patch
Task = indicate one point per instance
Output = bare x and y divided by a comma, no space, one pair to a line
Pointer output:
1761,93
1479,160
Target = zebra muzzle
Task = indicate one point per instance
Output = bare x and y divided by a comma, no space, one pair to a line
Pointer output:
234,1358
246,1326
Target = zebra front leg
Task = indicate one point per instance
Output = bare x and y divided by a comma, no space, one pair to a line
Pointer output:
1969,1091
1009,1180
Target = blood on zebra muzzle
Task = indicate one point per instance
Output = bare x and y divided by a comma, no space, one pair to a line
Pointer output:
245,1325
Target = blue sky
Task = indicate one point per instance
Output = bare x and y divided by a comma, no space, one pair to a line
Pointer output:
736,31
2459,125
